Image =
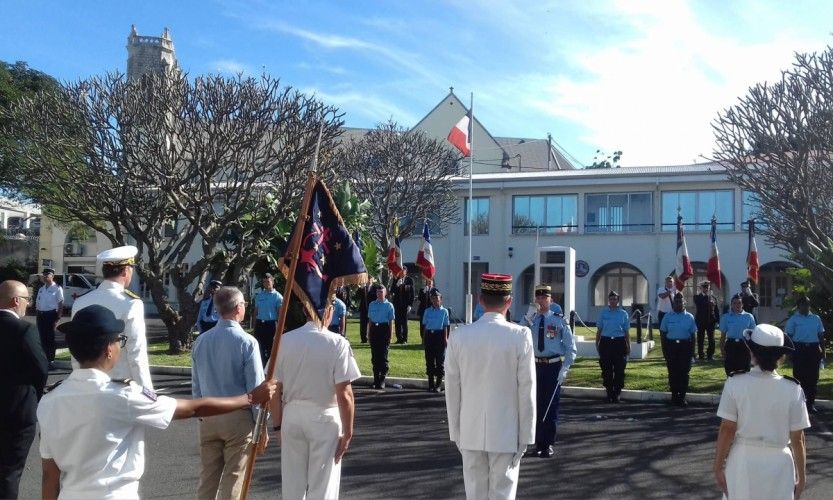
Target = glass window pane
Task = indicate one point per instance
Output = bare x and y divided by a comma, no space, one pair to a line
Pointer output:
617,212
705,209
520,215
596,208
639,212
536,210
554,219
725,208
569,212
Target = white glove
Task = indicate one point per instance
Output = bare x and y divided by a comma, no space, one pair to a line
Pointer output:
517,458
562,375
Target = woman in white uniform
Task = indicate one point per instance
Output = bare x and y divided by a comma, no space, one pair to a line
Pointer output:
760,446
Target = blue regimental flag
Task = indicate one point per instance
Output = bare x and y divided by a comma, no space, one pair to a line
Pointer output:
327,255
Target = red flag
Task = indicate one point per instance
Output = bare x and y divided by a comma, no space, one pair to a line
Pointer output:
459,136
397,270
752,264
683,269
713,266
425,256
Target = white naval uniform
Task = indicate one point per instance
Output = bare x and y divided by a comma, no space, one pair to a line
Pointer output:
94,430
766,408
490,400
311,361
49,297
133,362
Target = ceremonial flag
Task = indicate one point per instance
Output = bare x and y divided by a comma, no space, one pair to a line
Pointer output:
460,135
397,270
327,256
713,266
752,265
683,269
425,256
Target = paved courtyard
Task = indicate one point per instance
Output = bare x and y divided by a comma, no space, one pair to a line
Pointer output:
401,450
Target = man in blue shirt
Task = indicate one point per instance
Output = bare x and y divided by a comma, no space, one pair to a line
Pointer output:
225,362
339,322
677,331
613,344
380,315
268,303
555,350
435,327
807,332
735,354
208,316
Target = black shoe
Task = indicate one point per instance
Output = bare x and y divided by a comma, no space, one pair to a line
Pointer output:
811,409
547,452
675,399
710,358
616,399
682,403
530,452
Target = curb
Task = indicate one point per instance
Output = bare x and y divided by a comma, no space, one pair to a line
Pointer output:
576,392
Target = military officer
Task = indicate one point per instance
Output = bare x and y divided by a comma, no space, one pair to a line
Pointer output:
734,352
555,351
424,300
339,322
435,326
207,317
268,302
403,298
613,344
750,298
707,316
114,294
490,394
49,306
366,294
807,333
380,315
677,331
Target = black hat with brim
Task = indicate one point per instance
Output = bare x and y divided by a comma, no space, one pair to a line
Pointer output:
93,322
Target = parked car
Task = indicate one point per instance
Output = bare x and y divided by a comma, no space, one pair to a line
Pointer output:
75,285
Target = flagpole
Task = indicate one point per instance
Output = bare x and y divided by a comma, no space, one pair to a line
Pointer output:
469,301
294,248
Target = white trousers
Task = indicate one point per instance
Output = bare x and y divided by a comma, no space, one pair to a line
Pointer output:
756,472
489,475
309,438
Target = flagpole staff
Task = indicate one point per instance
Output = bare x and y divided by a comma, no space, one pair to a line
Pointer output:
294,248
469,300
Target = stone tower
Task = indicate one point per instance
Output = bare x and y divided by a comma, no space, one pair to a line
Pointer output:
149,54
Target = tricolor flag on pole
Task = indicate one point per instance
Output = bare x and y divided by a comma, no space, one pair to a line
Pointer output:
683,270
460,135
752,264
713,266
425,256
397,270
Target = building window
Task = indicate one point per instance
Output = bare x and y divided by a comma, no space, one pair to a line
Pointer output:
547,214
480,210
697,209
434,227
625,279
14,223
750,209
618,213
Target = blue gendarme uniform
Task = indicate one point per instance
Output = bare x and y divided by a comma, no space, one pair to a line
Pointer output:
268,303
735,353
208,316
436,322
380,323
678,330
614,322
339,310
554,348
613,326
806,331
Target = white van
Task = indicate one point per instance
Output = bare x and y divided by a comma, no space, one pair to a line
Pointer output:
75,285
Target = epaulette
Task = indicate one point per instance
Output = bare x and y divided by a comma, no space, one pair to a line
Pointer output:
131,294
738,372
791,379
125,381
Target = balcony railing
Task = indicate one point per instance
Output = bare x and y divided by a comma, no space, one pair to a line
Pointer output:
19,233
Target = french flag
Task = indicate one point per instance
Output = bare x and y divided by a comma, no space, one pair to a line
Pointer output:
752,264
713,266
425,256
459,137
683,270
395,266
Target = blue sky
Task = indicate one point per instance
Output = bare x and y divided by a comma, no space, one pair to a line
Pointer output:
646,77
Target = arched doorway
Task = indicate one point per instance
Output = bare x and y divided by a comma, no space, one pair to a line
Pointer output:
627,280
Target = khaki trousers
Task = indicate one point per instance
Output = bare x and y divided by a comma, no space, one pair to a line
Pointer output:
490,475
224,440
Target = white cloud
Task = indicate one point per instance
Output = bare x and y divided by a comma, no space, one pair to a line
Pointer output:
232,67
372,108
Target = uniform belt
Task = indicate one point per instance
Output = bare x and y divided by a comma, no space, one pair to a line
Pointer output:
546,361
735,340
677,341
266,320
611,338
47,311
759,442
806,344
434,331
380,324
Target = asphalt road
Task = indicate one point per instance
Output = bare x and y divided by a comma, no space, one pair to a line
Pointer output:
401,450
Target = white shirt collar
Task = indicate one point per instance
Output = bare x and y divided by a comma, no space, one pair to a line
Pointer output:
110,284
10,311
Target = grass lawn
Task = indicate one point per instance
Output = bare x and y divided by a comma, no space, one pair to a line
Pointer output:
648,374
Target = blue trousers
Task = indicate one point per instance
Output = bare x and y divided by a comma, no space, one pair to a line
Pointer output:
546,379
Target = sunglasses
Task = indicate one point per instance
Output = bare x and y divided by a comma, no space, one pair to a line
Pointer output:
122,341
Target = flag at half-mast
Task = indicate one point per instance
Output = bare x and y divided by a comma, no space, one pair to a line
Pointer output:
327,257
395,266
752,264
683,270
713,265
460,135
425,256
